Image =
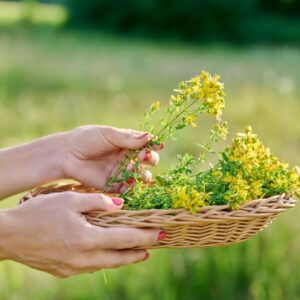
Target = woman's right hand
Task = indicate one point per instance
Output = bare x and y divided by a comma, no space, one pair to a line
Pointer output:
49,233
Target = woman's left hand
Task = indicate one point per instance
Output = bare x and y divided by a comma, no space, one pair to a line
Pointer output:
89,154
93,154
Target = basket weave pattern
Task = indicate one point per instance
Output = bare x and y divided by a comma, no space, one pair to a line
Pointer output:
210,226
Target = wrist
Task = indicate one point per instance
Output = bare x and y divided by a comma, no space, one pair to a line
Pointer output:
51,152
32,164
7,225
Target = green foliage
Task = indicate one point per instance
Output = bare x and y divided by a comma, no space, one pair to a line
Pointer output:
205,20
246,170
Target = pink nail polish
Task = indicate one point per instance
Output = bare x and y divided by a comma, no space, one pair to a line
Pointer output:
161,236
158,147
131,180
141,136
117,201
146,256
147,157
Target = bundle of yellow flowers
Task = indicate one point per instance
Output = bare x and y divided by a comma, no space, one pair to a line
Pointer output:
246,170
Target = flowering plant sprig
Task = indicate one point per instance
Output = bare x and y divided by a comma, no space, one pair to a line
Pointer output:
203,94
246,170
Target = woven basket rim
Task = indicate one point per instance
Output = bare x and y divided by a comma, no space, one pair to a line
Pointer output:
285,198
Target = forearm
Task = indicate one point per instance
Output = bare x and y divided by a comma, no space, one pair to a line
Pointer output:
29,165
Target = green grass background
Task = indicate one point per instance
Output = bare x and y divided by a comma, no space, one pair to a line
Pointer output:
55,80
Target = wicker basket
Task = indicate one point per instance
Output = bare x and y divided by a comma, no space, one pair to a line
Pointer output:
210,226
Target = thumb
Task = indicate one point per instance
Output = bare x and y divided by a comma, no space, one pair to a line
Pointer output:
126,138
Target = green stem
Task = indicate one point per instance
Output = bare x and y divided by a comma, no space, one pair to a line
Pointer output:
117,172
172,120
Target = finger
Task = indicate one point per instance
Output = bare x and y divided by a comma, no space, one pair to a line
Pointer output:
115,259
89,202
127,185
122,238
146,175
125,138
115,187
149,157
158,147
92,261
131,167
123,188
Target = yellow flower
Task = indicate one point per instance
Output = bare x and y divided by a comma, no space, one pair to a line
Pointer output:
217,173
175,100
222,130
155,106
262,173
204,75
190,120
256,189
190,199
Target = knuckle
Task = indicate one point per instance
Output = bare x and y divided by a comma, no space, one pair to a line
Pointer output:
80,129
77,132
147,236
102,199
108,131
70,196
126,134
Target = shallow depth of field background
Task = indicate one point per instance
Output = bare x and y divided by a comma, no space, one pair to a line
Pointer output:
55,76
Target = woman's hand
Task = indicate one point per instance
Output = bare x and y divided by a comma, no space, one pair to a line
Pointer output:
93,154
89,154
49,233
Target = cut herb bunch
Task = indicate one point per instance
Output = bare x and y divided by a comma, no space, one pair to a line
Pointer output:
203,94
246,170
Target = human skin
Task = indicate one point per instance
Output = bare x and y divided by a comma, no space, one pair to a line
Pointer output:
49,232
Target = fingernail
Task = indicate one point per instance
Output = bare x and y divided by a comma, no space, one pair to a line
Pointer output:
147,157
161,236
131,180
141,136
146,256
158,147
117,201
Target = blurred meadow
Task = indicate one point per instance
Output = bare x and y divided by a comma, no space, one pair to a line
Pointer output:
53,79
